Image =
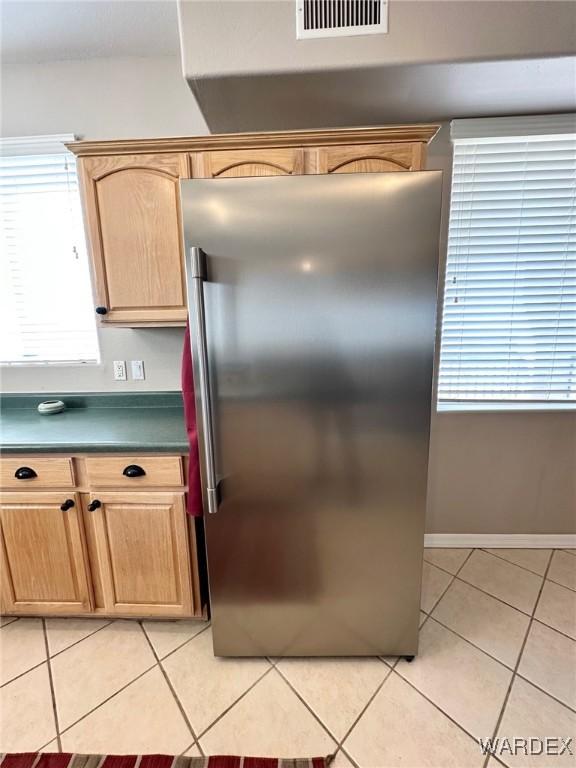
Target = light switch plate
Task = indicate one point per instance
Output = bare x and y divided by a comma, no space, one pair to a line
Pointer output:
137,367
119,370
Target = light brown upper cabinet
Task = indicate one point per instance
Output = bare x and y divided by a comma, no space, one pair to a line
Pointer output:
132,213
283,161
43,567
367,158
132,202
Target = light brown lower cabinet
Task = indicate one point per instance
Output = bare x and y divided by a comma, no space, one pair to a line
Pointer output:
138,545
43,561
118,543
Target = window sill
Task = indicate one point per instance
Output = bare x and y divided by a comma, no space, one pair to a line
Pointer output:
490,407
52,364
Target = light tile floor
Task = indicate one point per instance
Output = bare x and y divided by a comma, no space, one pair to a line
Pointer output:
497,656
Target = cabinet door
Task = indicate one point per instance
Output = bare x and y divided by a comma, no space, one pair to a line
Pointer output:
248,162
139,547
42,557
366,158
132,211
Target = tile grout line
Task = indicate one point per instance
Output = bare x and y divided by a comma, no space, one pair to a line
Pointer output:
558,584
543,690
470,584
515,607
554,629
502,663
48,656
439,567
171,689
107,699
225,712
519,659
45,745
391,668
533,619
452,580
524,568
429,616
189,747
552,550
31,669
360,716
77,642
308,707
436,706
498,760
350,759
52,690
7,623
171,653
469,642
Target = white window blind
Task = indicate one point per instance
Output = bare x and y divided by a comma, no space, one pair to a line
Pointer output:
46,308
509,315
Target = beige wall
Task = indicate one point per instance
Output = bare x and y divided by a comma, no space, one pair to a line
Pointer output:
440,59
102,99
259,36
511,472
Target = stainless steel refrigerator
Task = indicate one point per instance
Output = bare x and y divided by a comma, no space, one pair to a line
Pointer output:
312,303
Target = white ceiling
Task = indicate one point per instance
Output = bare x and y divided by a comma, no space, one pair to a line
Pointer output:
33,31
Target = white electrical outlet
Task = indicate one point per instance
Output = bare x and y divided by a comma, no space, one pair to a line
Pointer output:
119,370
137,367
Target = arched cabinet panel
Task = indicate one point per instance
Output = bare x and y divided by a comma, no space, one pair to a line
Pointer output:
246,162
133,222
366,158
132,199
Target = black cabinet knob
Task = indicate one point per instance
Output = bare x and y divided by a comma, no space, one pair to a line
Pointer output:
24,473
94,505
68,504
101,310
133,470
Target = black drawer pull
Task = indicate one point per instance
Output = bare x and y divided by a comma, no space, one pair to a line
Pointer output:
24,473
94,505
68,504
133,470
101,310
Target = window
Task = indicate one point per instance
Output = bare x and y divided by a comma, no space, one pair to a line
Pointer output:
46,308
509,317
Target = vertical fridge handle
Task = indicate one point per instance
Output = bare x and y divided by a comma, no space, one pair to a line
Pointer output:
197,271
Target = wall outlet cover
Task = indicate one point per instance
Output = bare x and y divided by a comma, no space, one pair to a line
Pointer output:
119,370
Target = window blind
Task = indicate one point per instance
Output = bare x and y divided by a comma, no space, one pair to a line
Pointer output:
45,297
509,314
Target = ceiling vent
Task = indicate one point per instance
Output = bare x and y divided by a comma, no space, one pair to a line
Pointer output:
340,18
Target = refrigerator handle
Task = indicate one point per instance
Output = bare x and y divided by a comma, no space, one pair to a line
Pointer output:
198,274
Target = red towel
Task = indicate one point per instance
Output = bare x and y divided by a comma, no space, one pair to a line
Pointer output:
194,485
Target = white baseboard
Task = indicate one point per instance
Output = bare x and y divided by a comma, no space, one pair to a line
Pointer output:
502,540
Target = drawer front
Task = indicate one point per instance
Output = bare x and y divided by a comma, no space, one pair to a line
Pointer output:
128,471
21,472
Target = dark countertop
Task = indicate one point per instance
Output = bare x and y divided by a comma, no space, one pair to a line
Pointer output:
111,423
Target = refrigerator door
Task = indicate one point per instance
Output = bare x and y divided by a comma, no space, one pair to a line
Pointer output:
319,319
